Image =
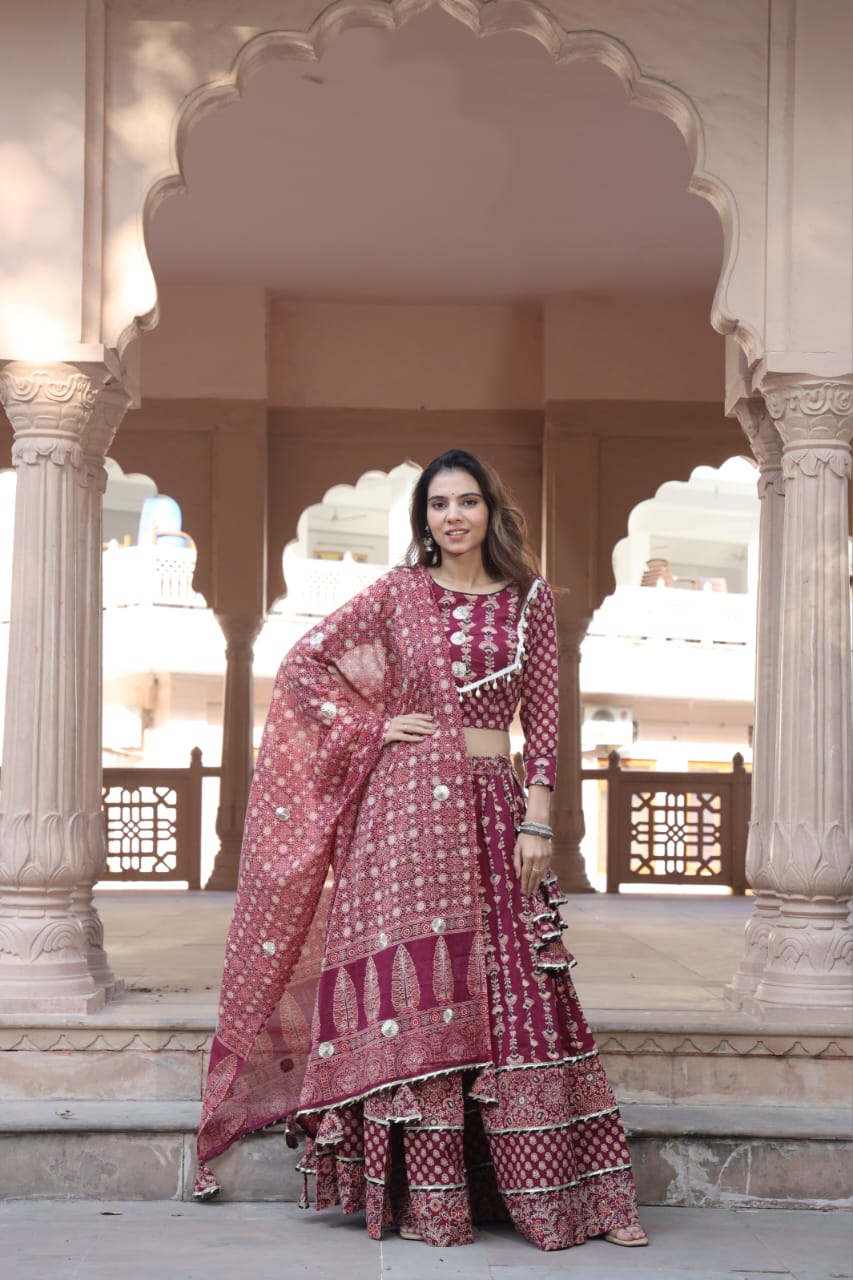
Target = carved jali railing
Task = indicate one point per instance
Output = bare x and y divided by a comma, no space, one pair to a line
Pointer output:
675,828
153,822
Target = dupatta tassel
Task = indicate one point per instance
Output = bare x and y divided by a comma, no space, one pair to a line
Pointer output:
291,1135
302,1202
206,1185
308,1163
405,1107
331,1131
485,1087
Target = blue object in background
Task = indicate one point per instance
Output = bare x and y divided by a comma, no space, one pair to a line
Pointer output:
160,523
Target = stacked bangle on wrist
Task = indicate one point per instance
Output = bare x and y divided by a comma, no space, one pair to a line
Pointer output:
535,829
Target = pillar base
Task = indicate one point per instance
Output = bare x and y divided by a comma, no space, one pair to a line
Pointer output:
103,976
67,988
69,1006
809,966
757,937
83,909
226,868
44,963
805,1017
570,868
741,989
222,880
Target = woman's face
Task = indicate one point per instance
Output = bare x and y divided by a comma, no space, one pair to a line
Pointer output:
457,514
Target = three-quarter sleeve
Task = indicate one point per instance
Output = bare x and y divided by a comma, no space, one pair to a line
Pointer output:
540,698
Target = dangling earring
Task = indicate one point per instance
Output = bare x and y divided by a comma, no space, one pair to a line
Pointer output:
429,545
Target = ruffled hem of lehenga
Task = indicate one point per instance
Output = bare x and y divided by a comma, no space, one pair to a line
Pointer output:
550,1213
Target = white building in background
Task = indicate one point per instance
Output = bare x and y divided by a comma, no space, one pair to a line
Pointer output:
672,665
667,671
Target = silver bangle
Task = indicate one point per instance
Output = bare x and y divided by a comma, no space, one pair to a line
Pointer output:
535,829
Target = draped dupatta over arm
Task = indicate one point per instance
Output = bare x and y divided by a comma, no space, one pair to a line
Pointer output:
354,960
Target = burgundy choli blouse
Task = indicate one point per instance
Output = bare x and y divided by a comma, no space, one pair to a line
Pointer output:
504,652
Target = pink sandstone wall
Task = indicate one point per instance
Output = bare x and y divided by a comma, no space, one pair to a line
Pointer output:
223,341
210,343
394,356
632,347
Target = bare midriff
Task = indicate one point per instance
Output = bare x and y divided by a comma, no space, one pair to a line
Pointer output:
486,742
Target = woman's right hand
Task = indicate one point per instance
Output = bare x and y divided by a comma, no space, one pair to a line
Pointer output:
410,728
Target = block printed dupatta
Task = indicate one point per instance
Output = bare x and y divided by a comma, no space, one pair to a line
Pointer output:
354,959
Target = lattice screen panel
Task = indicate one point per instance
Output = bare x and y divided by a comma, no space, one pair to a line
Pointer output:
675,833
142,824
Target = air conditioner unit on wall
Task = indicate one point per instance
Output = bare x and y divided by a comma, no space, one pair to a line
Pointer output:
607,727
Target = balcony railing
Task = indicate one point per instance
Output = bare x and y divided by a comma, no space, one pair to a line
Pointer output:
153,823
660,613
661,828
157,575
675,828
316,588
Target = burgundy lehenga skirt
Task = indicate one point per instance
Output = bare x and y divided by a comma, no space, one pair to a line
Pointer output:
534,1138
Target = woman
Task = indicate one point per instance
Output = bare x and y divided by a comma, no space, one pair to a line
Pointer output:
412,1011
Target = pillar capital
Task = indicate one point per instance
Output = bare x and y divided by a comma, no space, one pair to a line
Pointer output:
764,439
240,632
815,420
65,413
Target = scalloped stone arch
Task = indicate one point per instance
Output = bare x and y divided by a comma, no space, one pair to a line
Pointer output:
483,18
680,475
325,495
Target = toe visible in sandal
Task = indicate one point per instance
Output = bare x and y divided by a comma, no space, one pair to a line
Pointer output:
627,1242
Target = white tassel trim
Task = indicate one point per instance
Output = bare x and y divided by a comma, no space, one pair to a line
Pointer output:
506,673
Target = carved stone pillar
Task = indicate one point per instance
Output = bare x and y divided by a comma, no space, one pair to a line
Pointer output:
110,407
567,814
51,819
766,445
237,723
810,951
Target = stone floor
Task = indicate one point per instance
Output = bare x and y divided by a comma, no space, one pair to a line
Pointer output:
660,956
702,1093
53,1240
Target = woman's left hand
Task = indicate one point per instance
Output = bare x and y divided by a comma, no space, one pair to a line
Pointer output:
531,860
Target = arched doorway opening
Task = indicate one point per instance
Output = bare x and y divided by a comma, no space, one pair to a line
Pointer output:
668,665
418,279
413,34
148,562
342,543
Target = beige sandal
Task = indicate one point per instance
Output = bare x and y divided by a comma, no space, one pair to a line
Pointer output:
406,1233
627,1242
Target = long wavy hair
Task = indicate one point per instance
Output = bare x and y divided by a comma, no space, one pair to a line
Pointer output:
507,554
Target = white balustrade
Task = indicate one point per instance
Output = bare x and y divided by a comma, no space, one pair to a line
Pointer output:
150,575
670,614
317,587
